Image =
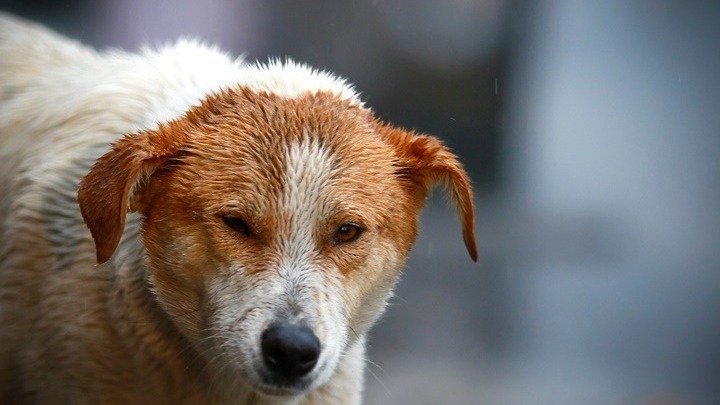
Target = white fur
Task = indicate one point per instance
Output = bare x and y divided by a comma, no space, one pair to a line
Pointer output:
308,176
188,70
154,86
291,79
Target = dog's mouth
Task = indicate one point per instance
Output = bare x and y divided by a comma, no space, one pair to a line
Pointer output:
272,386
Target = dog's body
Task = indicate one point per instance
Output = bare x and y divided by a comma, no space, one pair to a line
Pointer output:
256,196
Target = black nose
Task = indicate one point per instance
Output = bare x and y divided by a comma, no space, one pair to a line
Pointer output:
290,351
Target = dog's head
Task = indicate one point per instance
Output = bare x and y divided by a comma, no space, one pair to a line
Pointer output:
275,227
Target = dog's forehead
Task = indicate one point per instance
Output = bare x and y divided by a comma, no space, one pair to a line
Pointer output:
244,121
277,153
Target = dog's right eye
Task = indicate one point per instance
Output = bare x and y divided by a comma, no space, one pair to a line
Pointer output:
237,225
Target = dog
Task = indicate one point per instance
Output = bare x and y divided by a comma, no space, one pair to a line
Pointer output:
177,226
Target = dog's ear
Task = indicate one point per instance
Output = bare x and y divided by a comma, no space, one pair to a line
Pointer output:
107,191
424,161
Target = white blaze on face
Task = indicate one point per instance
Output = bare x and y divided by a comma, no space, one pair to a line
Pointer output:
311,293
308,176
298,286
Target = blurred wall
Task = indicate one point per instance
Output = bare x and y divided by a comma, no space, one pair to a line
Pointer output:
612,161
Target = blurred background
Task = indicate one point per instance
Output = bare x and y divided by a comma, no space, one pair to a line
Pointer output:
592,133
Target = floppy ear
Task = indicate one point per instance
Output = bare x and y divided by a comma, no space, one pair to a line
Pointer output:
114,180
424,161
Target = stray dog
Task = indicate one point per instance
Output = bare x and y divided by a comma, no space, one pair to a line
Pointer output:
180,227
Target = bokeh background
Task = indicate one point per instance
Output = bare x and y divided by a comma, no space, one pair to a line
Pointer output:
592,133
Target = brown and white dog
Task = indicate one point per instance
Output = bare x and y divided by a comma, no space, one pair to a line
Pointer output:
249,222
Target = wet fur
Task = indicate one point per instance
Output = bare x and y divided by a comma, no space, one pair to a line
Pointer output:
119,282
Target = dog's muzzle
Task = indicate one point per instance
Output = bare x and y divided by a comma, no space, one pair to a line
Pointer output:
289,352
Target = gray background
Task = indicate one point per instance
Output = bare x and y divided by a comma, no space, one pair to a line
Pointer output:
591,132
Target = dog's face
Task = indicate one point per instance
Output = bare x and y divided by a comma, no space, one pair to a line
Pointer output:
275,227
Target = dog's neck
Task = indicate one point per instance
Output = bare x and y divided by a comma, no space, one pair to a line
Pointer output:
145,329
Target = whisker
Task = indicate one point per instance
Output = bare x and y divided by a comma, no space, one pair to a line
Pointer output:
377,378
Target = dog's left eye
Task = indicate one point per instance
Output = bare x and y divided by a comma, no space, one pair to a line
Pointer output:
237,225
347,233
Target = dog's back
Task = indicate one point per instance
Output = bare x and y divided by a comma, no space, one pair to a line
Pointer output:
28,51
31,63
31,54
